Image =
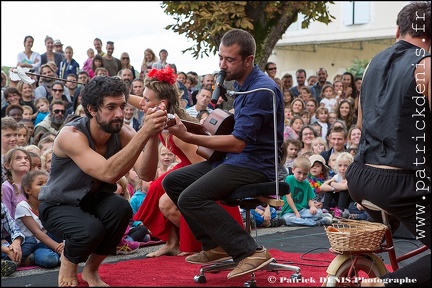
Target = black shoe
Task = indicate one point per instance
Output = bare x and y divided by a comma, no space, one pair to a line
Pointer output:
277,222
7,267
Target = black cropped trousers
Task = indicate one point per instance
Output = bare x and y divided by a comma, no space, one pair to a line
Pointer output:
399,193
95,226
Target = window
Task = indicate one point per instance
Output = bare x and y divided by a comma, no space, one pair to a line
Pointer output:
356,12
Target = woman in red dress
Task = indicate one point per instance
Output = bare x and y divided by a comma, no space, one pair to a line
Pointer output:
157,212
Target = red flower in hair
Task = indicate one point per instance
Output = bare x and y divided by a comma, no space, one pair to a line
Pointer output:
166,75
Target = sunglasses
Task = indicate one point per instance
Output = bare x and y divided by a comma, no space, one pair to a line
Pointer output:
58,111
270,69
125,58
57,90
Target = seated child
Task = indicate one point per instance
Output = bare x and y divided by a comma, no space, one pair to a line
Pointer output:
49,247
299,207
318,145
126,246
291,148
15,246
42,104
263,215
332,164
356,212
137,198
138,232
336,188
316,177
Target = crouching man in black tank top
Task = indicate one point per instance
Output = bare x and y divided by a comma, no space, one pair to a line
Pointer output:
90,154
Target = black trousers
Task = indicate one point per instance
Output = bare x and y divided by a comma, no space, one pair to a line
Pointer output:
396,192
341,199
95,226
195,190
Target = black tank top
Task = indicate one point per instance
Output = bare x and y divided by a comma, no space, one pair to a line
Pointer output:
67,183
396,125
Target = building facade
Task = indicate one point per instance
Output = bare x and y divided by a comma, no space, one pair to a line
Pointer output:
360,31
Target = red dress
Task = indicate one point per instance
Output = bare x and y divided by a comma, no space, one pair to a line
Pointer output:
151,216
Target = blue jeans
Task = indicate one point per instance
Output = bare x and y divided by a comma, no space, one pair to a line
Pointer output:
27,247
306,218
45,257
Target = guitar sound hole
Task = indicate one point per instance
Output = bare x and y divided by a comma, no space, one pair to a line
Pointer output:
213,121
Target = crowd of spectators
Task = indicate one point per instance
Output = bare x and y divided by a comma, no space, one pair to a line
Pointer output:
320,118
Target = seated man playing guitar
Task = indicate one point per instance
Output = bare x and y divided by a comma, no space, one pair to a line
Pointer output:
196,188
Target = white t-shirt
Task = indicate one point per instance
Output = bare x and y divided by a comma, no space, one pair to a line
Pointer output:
338,178
23,209
34,60
330,104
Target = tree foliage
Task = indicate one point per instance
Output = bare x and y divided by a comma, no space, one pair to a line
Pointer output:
358,66
205,22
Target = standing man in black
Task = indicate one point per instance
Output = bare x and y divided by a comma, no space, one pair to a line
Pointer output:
392,168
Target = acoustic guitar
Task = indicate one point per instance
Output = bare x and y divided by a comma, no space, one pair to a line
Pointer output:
219,122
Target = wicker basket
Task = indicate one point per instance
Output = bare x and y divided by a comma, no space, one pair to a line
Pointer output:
355,235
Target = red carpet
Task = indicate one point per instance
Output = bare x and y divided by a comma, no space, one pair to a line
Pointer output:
174,271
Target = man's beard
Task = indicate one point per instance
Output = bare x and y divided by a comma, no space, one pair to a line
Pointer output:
113,126
57,121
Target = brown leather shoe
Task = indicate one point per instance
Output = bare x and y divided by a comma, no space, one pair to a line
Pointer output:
210,256
256,261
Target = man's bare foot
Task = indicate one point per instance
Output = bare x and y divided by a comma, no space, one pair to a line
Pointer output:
67,274
165,250
92,277
90,272
185,253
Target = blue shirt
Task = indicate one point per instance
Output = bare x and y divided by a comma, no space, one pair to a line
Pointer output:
253,117
40,116
136,200
67,68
